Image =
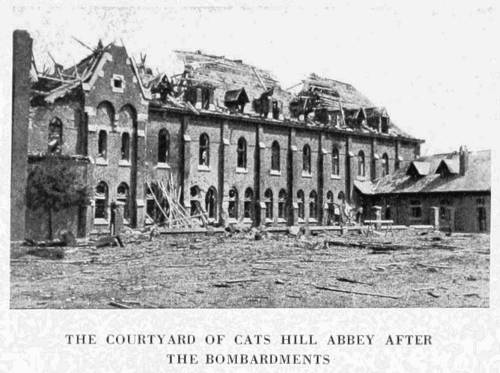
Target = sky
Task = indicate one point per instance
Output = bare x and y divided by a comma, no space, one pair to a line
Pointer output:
433,64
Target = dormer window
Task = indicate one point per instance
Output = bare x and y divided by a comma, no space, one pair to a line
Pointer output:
117,83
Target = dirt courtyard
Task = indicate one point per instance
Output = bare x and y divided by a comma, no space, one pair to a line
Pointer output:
237,271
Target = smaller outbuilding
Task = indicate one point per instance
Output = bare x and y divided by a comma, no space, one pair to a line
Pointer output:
452,191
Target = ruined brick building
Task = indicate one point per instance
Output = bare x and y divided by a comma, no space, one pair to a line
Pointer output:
226,133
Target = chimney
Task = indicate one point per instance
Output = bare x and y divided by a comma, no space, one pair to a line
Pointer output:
463,156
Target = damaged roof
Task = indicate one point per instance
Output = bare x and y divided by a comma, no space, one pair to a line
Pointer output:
477,177
229,75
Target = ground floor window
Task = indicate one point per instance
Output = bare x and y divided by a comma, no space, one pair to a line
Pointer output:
268,200
233,204
481,215
415,209
101,200
282,204
123,197
247,203
300,204
313,205
211,203
330,217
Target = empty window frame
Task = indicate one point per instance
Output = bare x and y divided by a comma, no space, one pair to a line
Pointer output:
55,136
125,149
204,156
268,200
415,209
101,201
330,217
335,161
122,195
275,156
233,204
361,164
102,144
195,200
313,205
306,159
300,204
247,203
385,164
163,146
242,153
282,204
211,203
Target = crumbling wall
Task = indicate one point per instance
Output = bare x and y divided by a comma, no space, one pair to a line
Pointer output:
70,114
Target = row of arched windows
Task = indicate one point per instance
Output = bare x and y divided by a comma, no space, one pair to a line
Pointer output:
102,199
242,157
102,145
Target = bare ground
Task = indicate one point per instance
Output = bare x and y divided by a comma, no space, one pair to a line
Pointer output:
277,271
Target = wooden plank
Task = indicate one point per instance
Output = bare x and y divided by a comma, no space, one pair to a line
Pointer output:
356,292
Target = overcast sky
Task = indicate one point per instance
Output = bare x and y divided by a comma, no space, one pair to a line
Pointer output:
434,65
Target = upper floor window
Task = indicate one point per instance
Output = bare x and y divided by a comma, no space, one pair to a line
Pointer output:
125,150
385,164
361,163
306,159
204,157
275,156
55,136
335,161
102,144
242,153
105,115
163,146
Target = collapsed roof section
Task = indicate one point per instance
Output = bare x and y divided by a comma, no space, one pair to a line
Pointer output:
209,82
49,86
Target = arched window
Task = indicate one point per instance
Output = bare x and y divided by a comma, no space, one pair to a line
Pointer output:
55,136
335,161
125,150
102,144
268,200
105,114
101,201
385,164
122,195
211,203
306,159
247,203
282,204
204,157
330,208
275,156
195,200
361,163
242,153
233,203
313,205
163,146
300,204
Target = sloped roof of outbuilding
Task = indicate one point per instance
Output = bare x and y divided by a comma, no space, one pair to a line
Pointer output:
477,177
